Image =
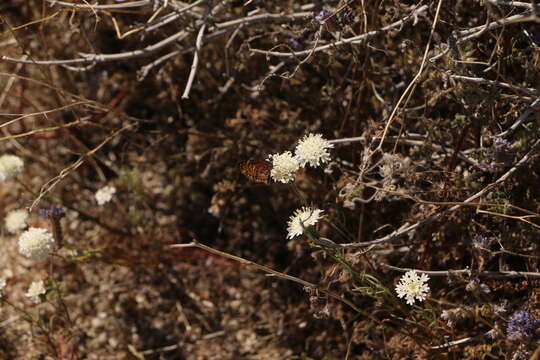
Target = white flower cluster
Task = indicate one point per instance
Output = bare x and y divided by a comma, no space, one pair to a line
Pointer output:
311,150
16,220
284,167
413,287
105,194
36,243
36,289
10,166
301,219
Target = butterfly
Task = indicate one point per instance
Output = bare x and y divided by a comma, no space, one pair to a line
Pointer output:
256,170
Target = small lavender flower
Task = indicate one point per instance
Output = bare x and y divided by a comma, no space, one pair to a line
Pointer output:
492,334
498,157
322,15
501,144
521,327
475,286
346,18
500,308
489,164
484,288
296,43
55,211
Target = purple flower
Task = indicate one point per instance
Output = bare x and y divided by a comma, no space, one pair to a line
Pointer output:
346,18
499,309
501,144
296,43
521,327
55,211
475,286
499,156
492,334
322,15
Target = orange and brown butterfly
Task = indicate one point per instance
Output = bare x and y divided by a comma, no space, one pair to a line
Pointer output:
256,170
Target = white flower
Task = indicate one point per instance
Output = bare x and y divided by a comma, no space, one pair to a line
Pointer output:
284,167
105,194
2,285
36,289
16,220
313,150
36,243
413,287
301,219
10,166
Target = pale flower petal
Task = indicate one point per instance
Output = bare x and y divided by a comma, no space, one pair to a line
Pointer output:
105,194
413,287
36,243
301,219
36,289
16,220
10,166
284,167
313,150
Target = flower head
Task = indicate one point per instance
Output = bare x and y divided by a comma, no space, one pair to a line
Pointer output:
301,219
501,144
10,166
313,150
36,289
36,243
16,220
105,194
284,167
413,287
499,309
521,327
54,212
322,15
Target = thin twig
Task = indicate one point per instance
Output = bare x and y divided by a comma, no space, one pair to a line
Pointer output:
482,81
407,228
193,71
131,4
268,270
469,273
412,85
353,40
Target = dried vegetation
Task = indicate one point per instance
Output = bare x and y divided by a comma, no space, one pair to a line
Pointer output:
433,110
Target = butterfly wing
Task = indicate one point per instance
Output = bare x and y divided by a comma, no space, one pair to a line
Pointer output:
256,170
